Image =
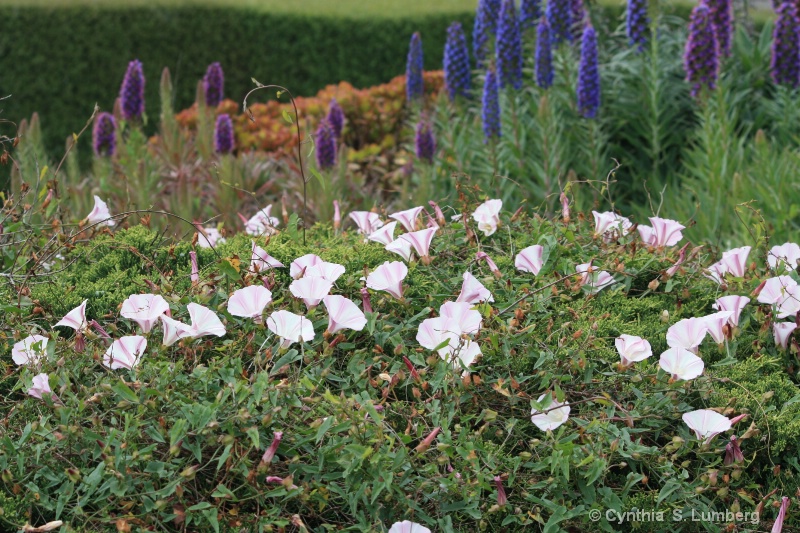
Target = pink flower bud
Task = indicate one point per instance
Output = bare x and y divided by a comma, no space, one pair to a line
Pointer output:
365,302
492,265
501,492
438,211
427,441
564,207
270,453
337,216
195,271
733,453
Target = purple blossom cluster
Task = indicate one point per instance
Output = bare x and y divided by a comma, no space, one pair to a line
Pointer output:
325,145
701,56
509,47
559,18
214,85
104,135
785,64
530,11
588,75
490,107
544,55
457,75
424,141
223,134
131,93
414,83
485,26
721,18
637,23
336,119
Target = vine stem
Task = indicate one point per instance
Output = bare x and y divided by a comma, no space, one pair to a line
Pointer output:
299,143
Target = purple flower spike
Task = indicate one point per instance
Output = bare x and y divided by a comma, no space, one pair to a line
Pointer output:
414,83
457,76
336,118
721,18
104,138
638,25
326,145
577,16
223,134
214,85
785,64
131,93
701,57
529,12
485,26
490,108
424,141
588,75
559,18
544,55
509,47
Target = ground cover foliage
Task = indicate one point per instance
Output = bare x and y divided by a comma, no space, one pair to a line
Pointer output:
176,443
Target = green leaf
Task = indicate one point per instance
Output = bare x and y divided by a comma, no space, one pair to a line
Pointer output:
320,178
286,116
324,427
125,392
290,357
223,492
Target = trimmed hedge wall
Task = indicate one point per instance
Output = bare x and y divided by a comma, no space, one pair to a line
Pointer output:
59,62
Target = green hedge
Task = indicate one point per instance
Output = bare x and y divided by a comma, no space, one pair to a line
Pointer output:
59,62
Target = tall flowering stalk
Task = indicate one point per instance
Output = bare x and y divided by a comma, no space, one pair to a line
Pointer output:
485,26
104,135
544,55
424,141
214,85
131,94
490,108
457,76
722,18
223,134
785,65
559,18
577,14
509,47
701,57
326,145
336,118
637,23
529,12
588,75
414,84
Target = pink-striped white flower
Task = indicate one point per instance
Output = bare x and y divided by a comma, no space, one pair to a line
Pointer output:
41,388
592,279
406,526
706,423
75,319
789,305
781,332
774,289
262,223
311,289
530,259
610,225
204,321
384,235
174,330
30,350
715,324
260,260
402,248
343,313
249,302
777,527
125,352
681,364
421,242
733,262
99,213
716,272
553,415
367,221
433,333
144,309
469,321
663,232
209,237
408,218
325,270
290,327
734,304
299,266
632,349
388,277
784,256
473,291
687,333
487,215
